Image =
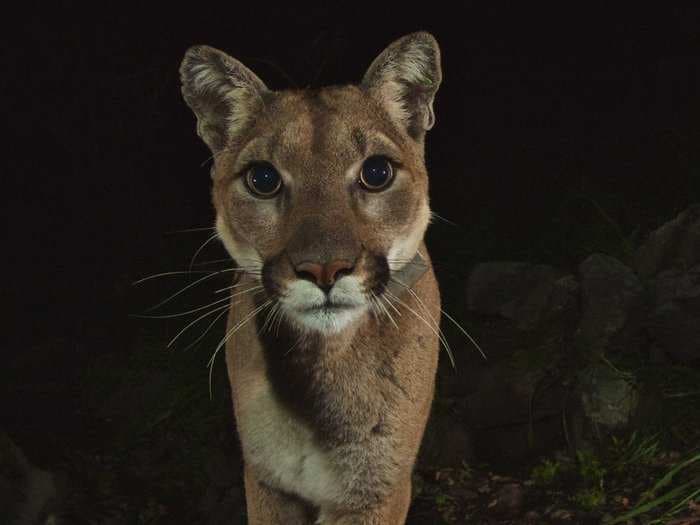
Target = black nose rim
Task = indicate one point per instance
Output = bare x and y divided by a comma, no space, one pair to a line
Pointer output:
342,272
305,275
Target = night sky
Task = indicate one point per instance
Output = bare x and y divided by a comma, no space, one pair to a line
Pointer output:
536,106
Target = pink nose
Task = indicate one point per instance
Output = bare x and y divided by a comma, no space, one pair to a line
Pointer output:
324,275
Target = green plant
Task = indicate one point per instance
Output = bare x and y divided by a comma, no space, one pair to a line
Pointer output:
465,472
592,473
627,455
546,472
589,498
590,468
675,499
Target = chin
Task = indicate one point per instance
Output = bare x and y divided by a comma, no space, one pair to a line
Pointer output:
325,320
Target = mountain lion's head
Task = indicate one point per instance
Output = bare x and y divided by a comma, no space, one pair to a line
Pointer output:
320,194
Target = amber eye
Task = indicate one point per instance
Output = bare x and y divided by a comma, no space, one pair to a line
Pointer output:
376,174
263,180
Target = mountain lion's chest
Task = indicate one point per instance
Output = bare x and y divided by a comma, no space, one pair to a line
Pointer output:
282,448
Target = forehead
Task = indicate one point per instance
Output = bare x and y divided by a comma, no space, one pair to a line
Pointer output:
332,123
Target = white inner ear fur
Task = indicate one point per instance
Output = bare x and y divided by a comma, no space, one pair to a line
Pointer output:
241,100
238,96
391,96
410,67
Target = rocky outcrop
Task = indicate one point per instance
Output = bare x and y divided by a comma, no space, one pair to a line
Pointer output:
613,306
550,335
676,244
674,327
670,260
528,294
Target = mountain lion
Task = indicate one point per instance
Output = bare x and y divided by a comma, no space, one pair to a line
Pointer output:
321,199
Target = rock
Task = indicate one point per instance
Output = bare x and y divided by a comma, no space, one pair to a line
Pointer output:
509,444
465,494
512,415
673,325
524,316
613,306
677,285
562,515
608,398
446,442
528,294
503,398
676,244
509,499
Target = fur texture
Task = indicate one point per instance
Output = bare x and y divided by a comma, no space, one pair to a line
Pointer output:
332,386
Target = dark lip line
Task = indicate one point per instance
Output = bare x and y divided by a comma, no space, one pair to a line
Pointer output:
329,306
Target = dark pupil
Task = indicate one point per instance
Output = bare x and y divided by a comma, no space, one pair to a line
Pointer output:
265,179
376,172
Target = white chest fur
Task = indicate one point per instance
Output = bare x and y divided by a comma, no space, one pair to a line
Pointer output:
282,450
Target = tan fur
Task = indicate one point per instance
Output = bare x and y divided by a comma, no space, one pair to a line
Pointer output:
330,403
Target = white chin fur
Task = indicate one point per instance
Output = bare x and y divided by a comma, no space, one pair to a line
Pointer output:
303,300
326,321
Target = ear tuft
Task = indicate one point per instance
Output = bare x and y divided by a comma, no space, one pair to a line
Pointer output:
222,93
404,79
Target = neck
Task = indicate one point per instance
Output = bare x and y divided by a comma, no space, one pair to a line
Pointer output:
408,275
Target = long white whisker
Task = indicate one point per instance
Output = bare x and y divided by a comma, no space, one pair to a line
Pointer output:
448,221
293,346
387,312
437,331
381,307
188,230
183,290
388,301
182,314
210,157
215,261
194,257
473,341
221,314
165,274
270,315
372,306
199,309
238,285
280,318
238,325
448,316
230,333
217,309
435,322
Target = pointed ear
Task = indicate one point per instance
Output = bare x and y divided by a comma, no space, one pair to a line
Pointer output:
405,78
223,94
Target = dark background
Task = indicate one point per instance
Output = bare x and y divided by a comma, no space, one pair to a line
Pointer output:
559,131
536,105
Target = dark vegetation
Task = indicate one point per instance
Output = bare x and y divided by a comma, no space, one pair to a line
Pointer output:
558,135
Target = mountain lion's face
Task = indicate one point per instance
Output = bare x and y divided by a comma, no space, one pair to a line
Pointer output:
321,195
320,180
